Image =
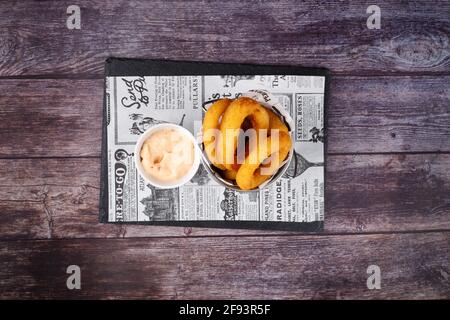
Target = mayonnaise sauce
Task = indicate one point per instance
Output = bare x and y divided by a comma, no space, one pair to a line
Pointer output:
167,155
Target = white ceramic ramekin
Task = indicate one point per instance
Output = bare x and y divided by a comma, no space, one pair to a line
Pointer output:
160,184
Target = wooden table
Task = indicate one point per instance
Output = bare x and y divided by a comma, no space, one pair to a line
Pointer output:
388,190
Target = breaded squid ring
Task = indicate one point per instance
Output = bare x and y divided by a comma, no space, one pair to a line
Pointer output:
232,120
211,129
249,175
230,174
276,123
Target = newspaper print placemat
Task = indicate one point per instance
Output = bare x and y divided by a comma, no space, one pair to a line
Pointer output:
136,103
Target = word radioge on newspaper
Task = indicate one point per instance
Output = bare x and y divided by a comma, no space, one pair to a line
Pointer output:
136,103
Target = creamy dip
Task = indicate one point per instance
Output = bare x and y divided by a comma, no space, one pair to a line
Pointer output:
167,155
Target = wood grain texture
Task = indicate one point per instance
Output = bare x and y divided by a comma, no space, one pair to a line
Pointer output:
413,38
389,114
54,118
388,177
58,198
62,118
413,266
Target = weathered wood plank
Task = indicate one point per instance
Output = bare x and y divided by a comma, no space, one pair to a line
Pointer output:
388,192
385,114
58,198
413,266
414,35
54,118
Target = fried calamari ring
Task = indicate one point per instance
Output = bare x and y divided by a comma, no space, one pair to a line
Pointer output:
276,123
232,120
230,174
251,174
211,129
